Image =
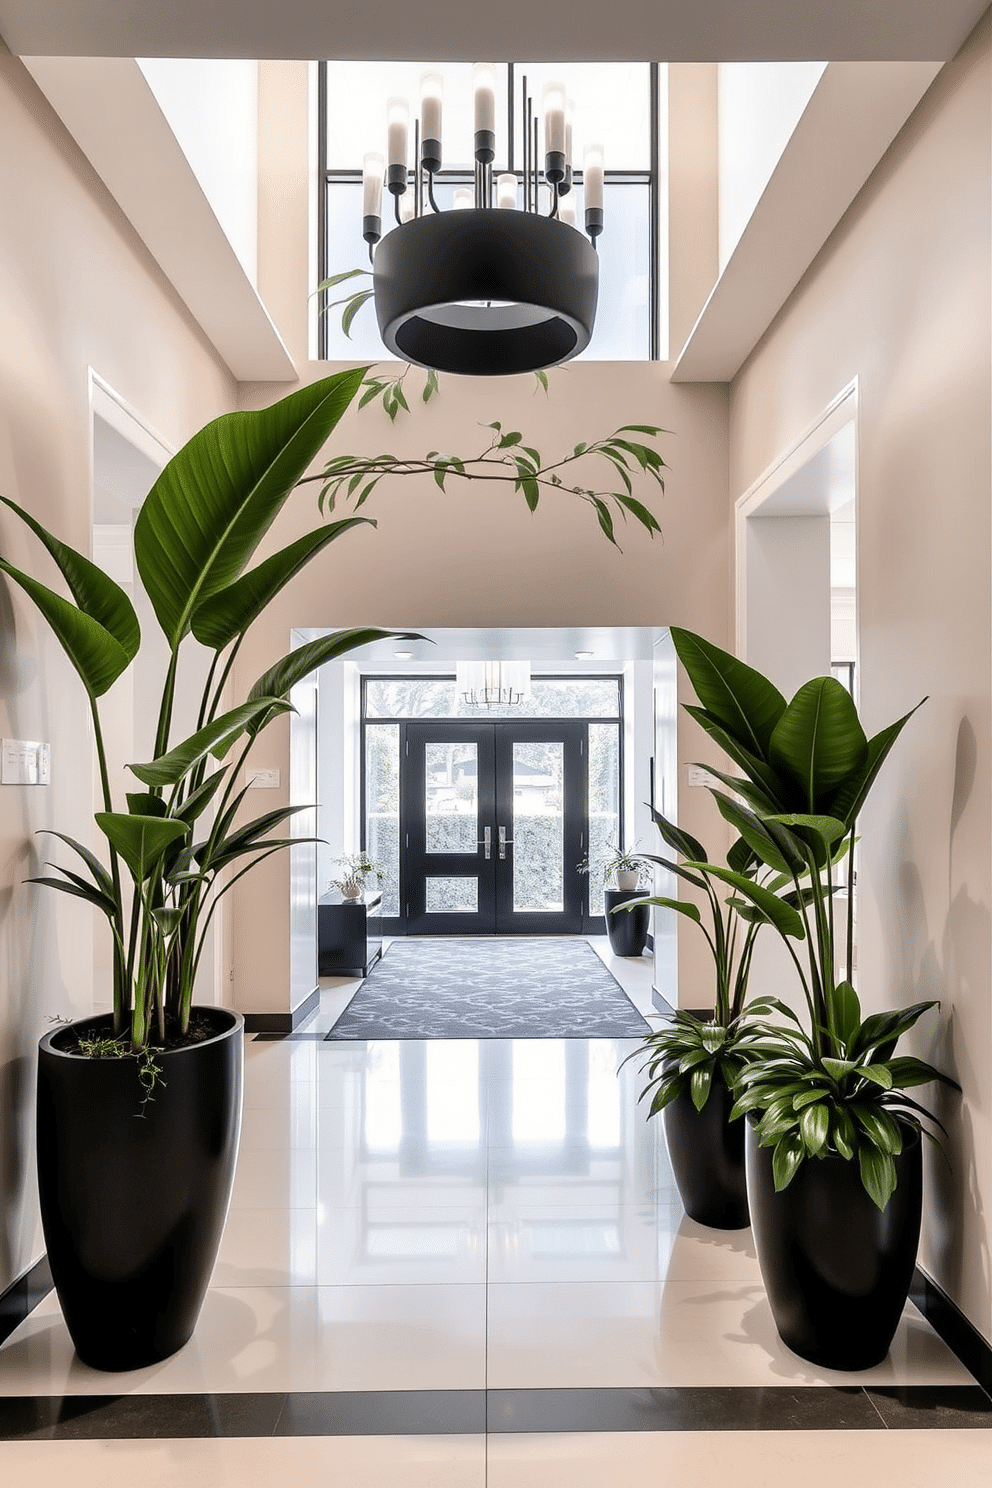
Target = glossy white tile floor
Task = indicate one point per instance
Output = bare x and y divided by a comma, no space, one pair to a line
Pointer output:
458,1215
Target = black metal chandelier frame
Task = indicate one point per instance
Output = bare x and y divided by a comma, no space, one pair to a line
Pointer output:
413,337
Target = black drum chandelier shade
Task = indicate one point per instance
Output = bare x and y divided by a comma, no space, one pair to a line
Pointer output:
485,289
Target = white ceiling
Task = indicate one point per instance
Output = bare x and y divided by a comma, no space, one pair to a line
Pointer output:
648,30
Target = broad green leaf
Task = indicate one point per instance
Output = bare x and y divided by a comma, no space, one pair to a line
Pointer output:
222,617
850,796
681,906
837,1068
879,1126
878,1174
787,1160
98,657
167,920
196,804
876,1074
759,800
215,737
885,1028
664,1095
741,699
94,592
756,834
678,840
907,1071
781,915
842,1132
676,868
699,1086
278,681
845,1011
714,1036
818,742
142,841
143,803
816,831
215,500
762,776
814,1126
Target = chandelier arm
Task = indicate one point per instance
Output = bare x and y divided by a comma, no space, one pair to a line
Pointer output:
430,193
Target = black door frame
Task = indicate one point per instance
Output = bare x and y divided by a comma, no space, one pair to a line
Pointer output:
593,919
491,863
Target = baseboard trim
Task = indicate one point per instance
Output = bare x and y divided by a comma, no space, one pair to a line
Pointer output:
283,1022
23,1296
958,1332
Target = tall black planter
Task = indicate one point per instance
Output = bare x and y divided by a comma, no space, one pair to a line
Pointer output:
837,1269
134,1199
707,1153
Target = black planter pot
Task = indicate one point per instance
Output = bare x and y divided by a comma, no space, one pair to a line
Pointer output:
134,1199
628,930
707,1153
837,1270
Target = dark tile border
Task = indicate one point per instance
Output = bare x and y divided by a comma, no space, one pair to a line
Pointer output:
23,1297
496,1412
283,1022
958,1332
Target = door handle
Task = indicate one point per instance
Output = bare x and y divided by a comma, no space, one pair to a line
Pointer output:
504,842
487,841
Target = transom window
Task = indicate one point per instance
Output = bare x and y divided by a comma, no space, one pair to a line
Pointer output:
616,104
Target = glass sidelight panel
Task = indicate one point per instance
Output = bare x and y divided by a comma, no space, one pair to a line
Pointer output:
451,798
452,895
604,804
538,828
382,807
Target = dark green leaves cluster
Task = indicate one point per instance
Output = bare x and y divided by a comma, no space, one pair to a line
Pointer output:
804,770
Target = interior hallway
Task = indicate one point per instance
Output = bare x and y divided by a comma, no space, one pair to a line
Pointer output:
400,1301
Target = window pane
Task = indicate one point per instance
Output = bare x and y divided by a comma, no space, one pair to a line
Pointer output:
612,106
604,804
451,798
382,807
437,697
358,94
452,895
538,828
622,332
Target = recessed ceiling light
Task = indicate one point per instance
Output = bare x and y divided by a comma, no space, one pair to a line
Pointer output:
403,655
584,655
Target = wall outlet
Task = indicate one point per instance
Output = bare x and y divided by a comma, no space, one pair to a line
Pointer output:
25,762
262,779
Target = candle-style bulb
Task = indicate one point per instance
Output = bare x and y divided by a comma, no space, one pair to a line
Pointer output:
553,103
484,89
463,199
506,190
431,98
592,189
373,168
398,136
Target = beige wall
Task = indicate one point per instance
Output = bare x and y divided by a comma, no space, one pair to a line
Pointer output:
77,290
899,299
476,557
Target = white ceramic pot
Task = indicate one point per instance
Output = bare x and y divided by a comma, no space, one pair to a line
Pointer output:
628,878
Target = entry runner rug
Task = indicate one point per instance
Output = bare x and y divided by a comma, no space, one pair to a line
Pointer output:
489,989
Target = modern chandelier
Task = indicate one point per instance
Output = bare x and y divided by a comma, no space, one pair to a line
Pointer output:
493,684
487,288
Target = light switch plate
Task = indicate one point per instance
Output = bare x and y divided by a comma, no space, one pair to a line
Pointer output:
262,779
25,762
700,777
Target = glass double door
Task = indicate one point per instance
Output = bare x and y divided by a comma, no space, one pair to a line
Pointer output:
494,823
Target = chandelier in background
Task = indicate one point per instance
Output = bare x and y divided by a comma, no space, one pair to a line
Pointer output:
492,684
488,288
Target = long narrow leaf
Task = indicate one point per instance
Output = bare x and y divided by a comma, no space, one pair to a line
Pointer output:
738,697
292,668
98,657
215,737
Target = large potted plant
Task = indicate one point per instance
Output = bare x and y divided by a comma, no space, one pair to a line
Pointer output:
834,1164
693,1064
138,1110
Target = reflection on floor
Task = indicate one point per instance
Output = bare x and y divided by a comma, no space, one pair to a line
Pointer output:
465,1263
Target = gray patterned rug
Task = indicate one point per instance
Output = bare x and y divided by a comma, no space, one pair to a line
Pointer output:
489,989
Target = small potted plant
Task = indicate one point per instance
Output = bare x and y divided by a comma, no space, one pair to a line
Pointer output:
357,869
693,1065
833,1140
624,868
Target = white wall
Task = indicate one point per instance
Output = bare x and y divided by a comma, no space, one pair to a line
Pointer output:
759,105
212,108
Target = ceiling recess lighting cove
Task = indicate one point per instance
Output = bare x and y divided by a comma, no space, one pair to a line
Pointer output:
492,286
